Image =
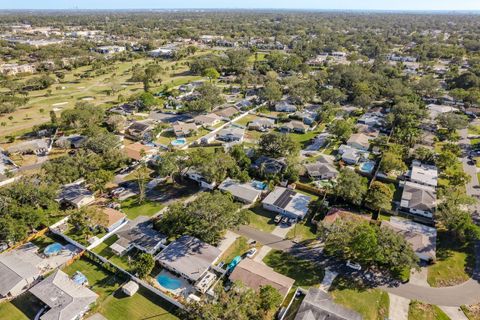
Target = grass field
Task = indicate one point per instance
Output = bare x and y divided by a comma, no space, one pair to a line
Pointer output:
104,250
305,273
452,263
261,219
238,248
133,209
303,230
424,311
372,304
9,311
95,90
22,307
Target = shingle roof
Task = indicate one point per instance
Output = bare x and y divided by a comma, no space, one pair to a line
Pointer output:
189,256
419,197
243,191
256,275
65,298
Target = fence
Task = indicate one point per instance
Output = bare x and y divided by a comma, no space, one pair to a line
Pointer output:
307,188
31,237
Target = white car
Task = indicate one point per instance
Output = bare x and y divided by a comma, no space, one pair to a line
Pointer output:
251,252
353,265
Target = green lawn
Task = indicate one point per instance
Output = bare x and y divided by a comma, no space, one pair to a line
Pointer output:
23,307
303,230
424,311
304,138
143,305
305,273
372,304
133,210
452,262
9,311
238,248
261,219
245,120
123,261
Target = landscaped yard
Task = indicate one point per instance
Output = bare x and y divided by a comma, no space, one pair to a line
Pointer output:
304,138
424,311
123,261
245,120
452,263
23,307
372,304
238,248
305,273
303,230
261,219
133,209
143,305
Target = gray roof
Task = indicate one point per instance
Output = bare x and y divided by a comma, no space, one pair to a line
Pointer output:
244,191
317,305
74,193
18,265
29,146
189,256
321,167
140,233
65,298
288,200
419,197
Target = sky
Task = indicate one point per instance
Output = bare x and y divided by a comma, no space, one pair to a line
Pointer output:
252,4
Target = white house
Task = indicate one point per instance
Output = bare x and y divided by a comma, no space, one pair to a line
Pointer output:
285,106
419,199
287,202
424,174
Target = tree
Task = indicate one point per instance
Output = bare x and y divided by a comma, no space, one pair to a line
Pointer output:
341,129
452,121
141,175
272,92
116,123
99,179
351,186
86,219
207,217
424,155
277,145
392,161
143,265
270,298
211,74
379,197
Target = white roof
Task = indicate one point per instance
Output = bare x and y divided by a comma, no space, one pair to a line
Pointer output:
425,174
243,191
289,200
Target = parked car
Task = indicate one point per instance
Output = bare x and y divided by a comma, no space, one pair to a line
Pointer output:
353,265
278,218
251,252
285,220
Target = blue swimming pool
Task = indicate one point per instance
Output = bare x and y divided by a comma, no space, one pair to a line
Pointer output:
53,248
169,282
367,166
259,185
179,142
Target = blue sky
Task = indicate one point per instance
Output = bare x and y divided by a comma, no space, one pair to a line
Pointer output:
288,4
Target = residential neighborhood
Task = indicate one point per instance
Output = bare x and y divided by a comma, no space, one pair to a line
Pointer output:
226,164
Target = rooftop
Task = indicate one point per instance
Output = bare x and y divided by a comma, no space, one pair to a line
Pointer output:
424,174
289,200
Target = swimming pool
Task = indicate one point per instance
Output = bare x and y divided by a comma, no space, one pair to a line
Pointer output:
169,282
179,142
52,249
259,185
367,166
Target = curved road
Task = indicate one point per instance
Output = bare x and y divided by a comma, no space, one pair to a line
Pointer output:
466,293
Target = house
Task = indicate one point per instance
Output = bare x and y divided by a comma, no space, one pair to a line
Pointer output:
140,130
424,174
351,155
37,146
339,214
307,117
319,141
115,218
322,169
198,177
75,194
163,52
65,298
359,141
231,133
256,275
227,113
435,110
318,305
18,270
189,257
285,106
244,104
208,138
371,119
139,234
418,199
422,238
184,129
73,141
12,69
125,109
294,126
244,192
269,166
110,49
261,124
138,151
287,202
207,120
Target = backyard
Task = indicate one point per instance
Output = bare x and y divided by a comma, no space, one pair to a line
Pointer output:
123,261
372,304
23,307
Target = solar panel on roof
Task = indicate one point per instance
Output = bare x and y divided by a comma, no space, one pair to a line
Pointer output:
284,198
